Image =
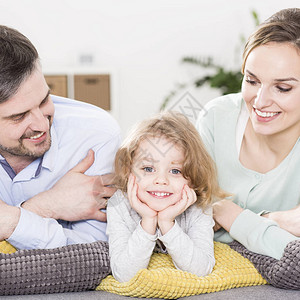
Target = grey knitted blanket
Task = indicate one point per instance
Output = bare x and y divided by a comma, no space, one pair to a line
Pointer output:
283,273
81,267
71,268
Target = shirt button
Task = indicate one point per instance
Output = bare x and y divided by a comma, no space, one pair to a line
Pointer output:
257,176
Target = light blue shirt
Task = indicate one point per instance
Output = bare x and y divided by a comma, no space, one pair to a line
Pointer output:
77,127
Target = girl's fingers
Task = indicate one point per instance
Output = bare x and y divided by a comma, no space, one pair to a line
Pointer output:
131,189
130,183
184,194
134,191
191,196
187,199
181,205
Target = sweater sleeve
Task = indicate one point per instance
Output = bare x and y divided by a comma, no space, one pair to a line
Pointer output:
192,250
130,247
260,235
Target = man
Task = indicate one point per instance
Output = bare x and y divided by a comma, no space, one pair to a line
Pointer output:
50,195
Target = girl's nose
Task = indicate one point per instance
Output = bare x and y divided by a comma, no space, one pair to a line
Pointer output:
161,179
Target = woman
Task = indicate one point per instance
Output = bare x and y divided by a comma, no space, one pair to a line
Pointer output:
254,140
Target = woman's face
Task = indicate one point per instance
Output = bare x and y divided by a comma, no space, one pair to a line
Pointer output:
271,89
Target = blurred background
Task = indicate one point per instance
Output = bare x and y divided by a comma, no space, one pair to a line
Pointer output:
139,46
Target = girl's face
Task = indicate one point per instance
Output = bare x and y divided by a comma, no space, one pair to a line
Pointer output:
157,166
271,89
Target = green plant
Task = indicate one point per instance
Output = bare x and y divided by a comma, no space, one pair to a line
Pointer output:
227,81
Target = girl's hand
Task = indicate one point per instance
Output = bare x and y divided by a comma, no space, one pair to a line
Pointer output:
148,215
166,217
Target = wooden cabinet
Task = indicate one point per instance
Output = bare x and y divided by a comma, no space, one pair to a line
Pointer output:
93,89
58,84
90,88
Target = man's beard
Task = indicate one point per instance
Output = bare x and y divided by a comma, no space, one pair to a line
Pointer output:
22,150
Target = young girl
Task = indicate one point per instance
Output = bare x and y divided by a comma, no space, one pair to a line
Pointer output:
166,184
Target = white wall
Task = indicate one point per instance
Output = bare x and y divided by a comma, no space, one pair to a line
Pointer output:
140,42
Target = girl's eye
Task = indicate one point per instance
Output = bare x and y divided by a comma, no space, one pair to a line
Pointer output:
175,171
283,90
148,169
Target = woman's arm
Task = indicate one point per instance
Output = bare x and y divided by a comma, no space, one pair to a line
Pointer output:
258,234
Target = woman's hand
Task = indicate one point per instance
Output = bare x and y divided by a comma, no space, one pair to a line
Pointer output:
217,226
288,220
148,215
225,212
166,217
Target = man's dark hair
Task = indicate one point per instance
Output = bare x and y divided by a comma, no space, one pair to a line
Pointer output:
18,58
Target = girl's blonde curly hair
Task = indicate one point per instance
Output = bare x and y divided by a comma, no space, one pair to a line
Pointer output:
198,166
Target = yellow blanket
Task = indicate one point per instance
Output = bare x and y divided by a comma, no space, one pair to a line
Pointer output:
6,248
162,280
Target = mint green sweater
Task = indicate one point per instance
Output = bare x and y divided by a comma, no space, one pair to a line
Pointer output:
278,189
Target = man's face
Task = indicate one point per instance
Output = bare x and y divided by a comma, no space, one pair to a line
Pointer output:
25,120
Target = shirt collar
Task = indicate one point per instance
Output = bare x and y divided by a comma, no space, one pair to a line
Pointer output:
50,157
8,169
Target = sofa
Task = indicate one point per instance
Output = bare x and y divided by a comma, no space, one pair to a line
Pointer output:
75,271
265,292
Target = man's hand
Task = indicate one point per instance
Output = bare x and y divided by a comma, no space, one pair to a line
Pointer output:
288,220
9,218
75,196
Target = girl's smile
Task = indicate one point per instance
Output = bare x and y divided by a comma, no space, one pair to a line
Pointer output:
160,194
